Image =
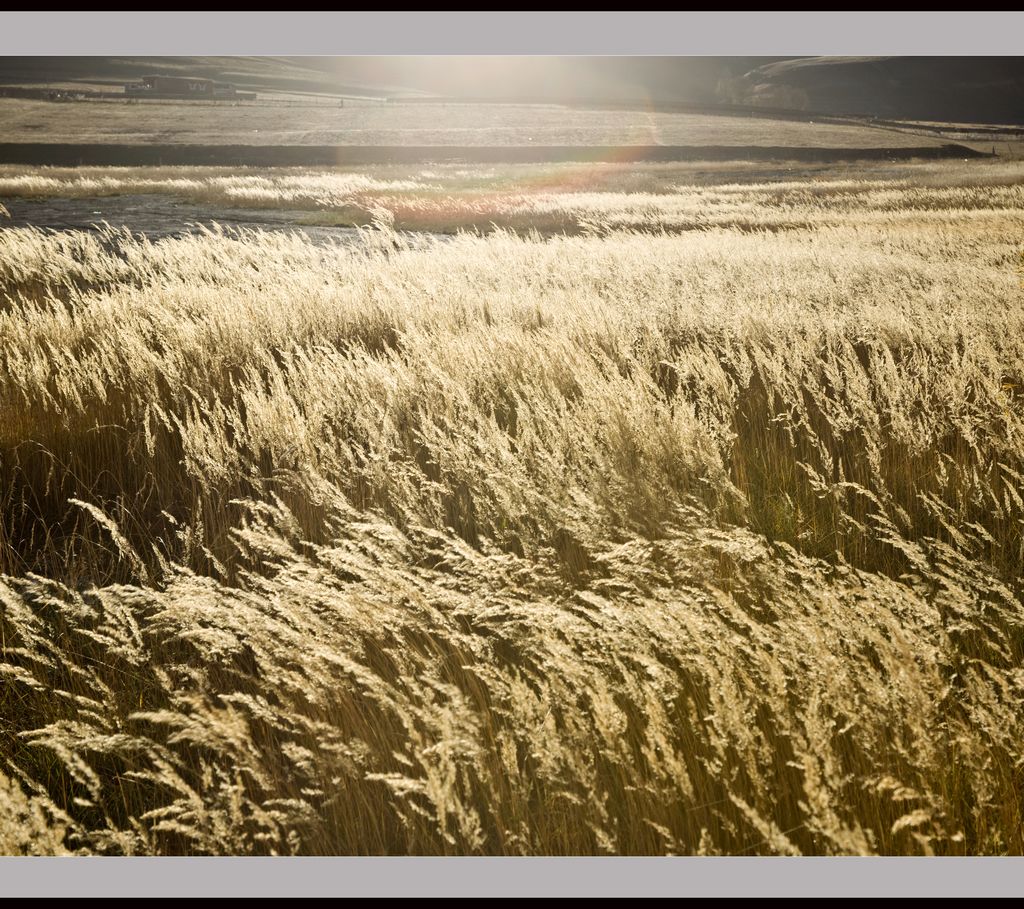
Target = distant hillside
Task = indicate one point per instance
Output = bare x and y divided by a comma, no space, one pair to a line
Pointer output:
951,89
635,80
558,79
266,74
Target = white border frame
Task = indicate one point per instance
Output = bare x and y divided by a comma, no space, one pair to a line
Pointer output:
615,33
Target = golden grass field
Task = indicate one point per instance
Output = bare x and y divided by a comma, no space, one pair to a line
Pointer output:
676,517
565,198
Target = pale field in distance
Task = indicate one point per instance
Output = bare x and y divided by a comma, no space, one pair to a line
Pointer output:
396,123
691,522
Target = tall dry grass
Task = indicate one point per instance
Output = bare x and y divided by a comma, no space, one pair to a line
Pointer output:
626,542
564,198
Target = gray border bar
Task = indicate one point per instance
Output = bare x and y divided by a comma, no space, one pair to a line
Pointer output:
512,877
645,33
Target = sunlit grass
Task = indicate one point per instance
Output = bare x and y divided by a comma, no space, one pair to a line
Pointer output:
632,540
565,197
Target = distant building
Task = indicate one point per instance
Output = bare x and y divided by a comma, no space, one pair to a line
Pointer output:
186,87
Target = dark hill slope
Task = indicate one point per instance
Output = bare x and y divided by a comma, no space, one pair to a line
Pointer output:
965,89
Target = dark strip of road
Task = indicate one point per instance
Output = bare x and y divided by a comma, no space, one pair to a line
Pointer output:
67,155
